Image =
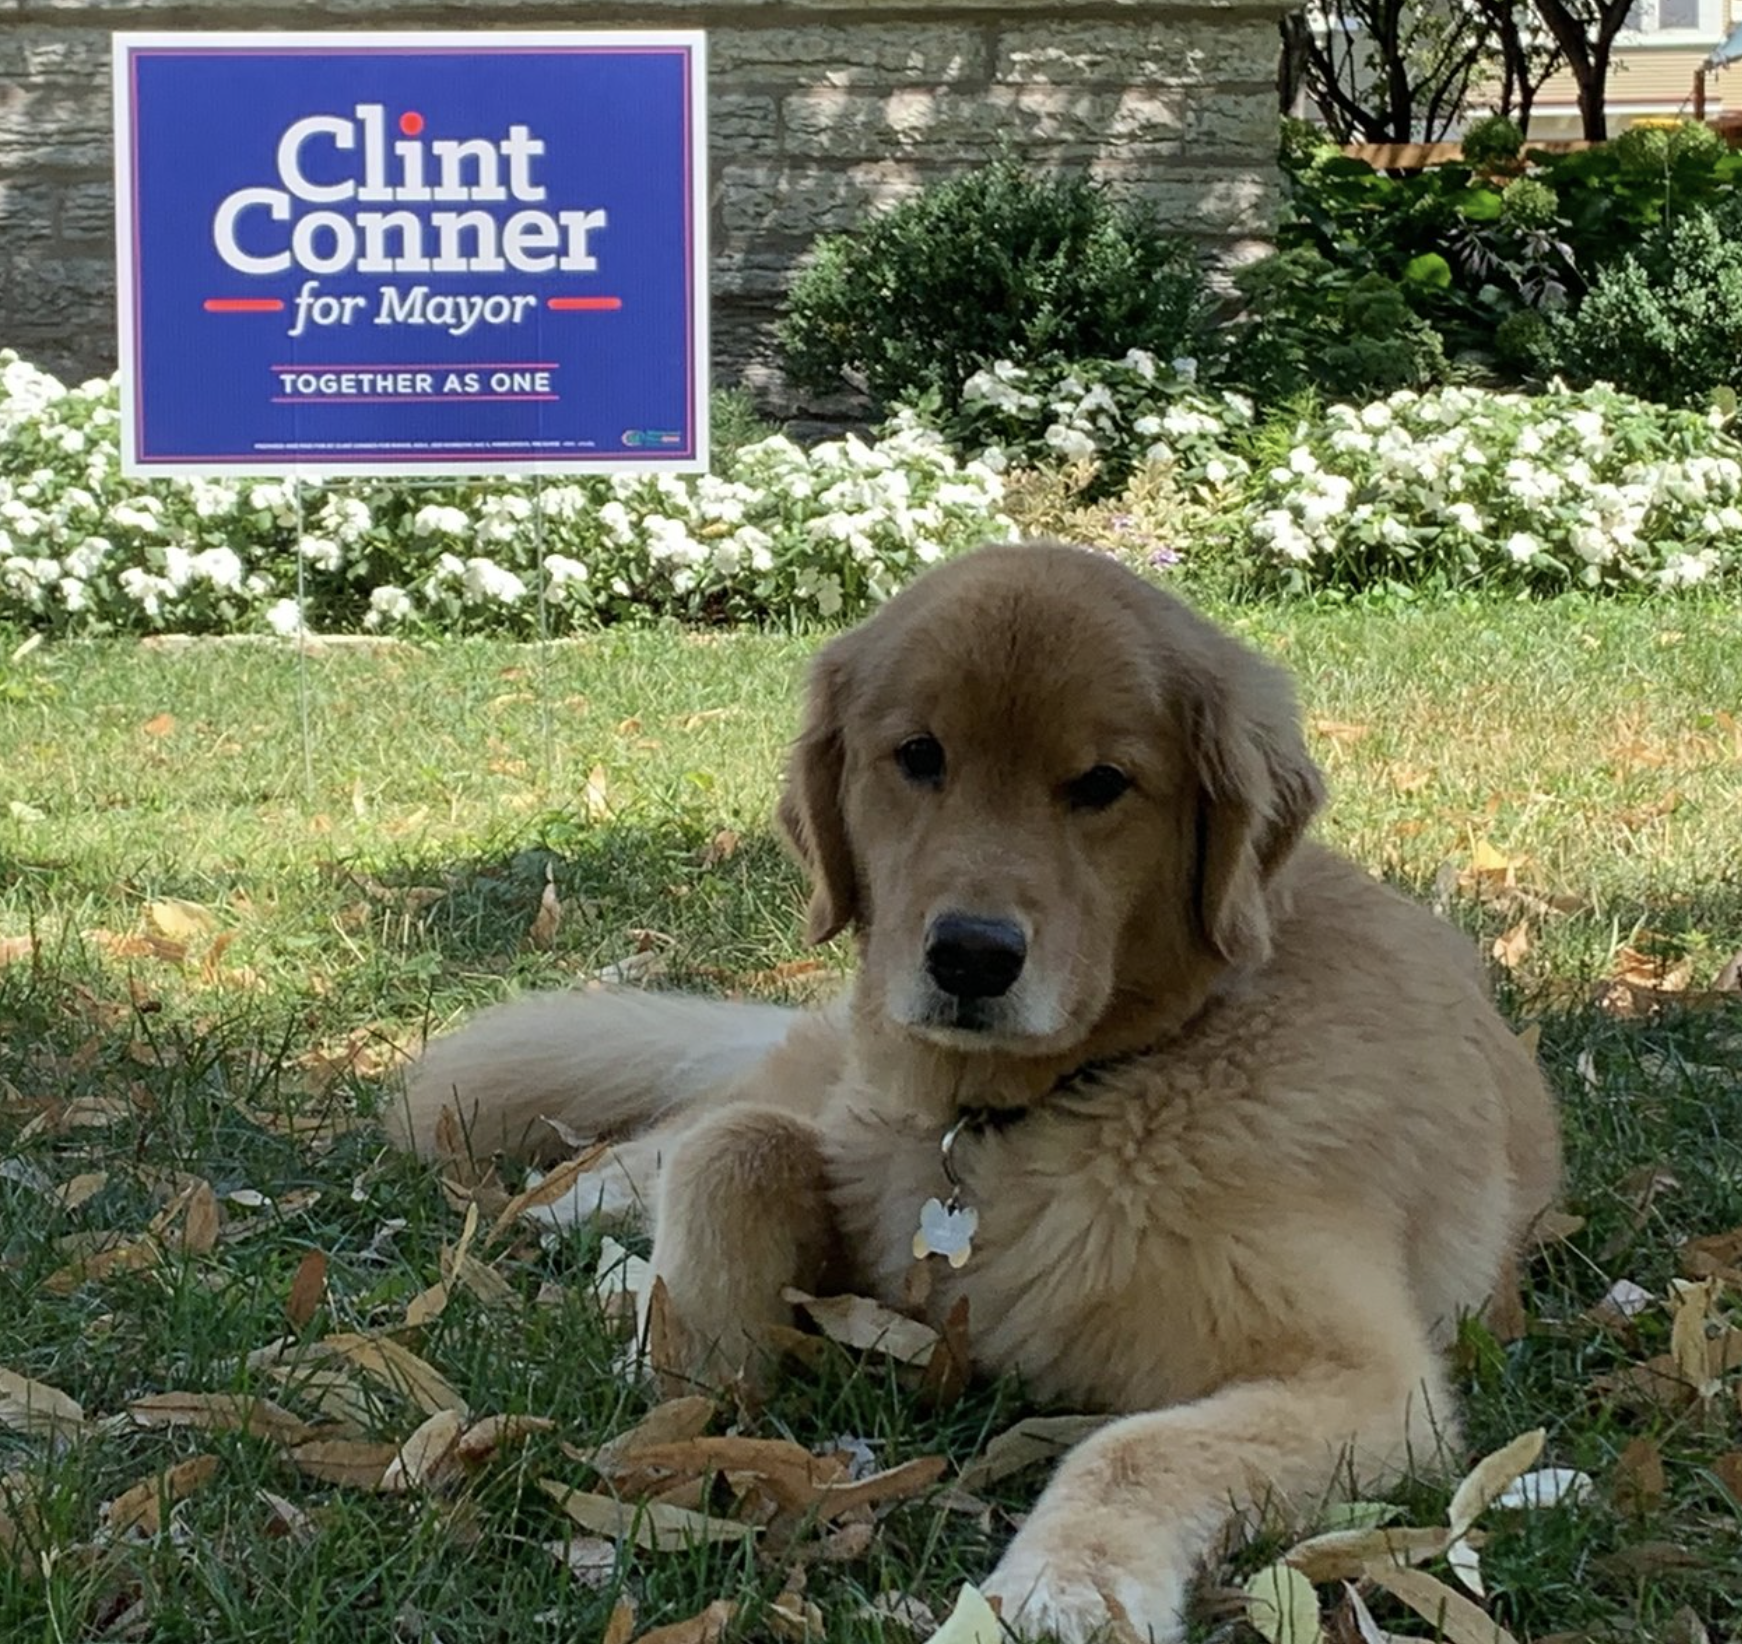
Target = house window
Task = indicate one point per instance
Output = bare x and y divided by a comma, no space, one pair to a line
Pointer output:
1676,17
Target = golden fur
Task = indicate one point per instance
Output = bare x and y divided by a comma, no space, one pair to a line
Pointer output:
1268,1139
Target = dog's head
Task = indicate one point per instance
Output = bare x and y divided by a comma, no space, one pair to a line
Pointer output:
1050,797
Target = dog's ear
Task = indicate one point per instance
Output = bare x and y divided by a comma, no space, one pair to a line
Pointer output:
810,803
1259,788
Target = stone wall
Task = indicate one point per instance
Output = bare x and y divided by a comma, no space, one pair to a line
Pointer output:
819,110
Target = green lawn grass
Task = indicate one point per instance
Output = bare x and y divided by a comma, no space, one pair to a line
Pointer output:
1587,753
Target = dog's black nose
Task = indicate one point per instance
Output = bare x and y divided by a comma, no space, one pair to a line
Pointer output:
973,958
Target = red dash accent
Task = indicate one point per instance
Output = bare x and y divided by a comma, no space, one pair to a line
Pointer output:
243,305
589,303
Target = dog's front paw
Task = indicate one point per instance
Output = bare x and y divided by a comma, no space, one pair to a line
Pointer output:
1076,1585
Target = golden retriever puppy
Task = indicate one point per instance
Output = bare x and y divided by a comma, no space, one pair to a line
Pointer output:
1211,1130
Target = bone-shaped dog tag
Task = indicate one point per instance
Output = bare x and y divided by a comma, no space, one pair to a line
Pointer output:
946,1230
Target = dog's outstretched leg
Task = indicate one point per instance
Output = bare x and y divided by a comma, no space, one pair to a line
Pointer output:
743,1214
1134,1510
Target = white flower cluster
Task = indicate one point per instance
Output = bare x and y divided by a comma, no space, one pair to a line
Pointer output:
783,531
1119,414
1591,488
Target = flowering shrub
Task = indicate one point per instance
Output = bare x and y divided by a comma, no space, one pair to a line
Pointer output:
1122,415
1468,486
780,532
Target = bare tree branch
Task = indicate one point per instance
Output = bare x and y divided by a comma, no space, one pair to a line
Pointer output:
1585,31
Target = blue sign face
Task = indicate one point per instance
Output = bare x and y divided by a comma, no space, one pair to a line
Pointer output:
411,253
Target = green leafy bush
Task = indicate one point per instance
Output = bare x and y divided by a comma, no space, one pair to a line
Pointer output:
1615,194
1514,234
1308,324
1492,143
1666,321
994,264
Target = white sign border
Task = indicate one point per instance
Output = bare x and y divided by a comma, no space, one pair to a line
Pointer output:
123,44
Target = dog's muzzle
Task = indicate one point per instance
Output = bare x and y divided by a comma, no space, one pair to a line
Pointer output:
971,958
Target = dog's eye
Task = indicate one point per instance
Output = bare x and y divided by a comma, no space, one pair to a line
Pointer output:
1097,788
921,759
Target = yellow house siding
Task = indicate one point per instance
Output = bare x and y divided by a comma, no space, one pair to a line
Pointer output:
1651,79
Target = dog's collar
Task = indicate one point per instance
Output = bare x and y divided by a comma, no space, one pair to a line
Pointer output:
947,1227
978,1120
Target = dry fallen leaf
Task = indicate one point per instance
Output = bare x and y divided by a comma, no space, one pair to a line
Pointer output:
950,1367
482,1280
1031,1441
398,1367
651,1527
201,1220
141,1507
667,1423
29,1406
859,1322
116,1255
541,937
1715,1255
1490,1477
1488,861
620,1624
1651,972
1336,730
1656,1383
484,1438
1639,1476
81,1189
1554,1227
845,1545
1345,1555
1512,945
1282,1606
591,1560
345,1403
178,921
287,1518
94,1113
427,1304
594,801
307,1288
1367,1630
723,845
709,1627
1691,1306
1728,1470
971,1621
666,1355
547,1190
356,1462
1459,1620
892,1484
220,1413
425,1452
794,1476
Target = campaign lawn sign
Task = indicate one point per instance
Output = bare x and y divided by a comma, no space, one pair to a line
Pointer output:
412,253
